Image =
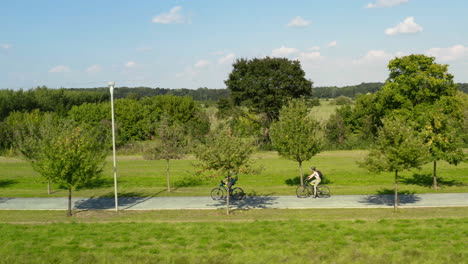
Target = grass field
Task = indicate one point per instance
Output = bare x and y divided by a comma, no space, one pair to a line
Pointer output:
138,177
431,235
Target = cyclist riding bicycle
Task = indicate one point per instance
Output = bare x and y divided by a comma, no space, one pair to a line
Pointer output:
230,180
318,179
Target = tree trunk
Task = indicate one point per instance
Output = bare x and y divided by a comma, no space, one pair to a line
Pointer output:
48,187
395,203
168,176
434,175
301,176
228,195
69,213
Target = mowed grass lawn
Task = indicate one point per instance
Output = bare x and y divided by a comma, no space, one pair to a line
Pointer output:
426,235
139,177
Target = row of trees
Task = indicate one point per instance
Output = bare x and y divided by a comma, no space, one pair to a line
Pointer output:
417,117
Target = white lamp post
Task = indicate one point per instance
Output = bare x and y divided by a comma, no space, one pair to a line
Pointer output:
111,88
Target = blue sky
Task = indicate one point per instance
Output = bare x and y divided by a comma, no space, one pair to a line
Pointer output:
192,44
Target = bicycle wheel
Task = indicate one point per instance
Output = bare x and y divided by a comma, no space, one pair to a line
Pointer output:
237,193
323,191
303,191
217,193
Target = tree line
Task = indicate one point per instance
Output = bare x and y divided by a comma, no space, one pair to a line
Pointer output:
417,116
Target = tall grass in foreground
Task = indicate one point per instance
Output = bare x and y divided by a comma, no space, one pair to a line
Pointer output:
288,241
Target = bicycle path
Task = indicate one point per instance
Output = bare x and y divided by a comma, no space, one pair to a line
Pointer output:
249,202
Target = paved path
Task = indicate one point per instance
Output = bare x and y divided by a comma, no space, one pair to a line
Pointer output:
201,202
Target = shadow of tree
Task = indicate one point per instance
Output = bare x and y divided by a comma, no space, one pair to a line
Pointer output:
248,202
107,201
426,180
2,200
6,183
387,197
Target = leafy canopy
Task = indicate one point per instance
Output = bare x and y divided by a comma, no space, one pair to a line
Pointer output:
296,134
264,85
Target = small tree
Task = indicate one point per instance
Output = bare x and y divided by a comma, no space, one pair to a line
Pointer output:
441,134
171,144
295,135
226,155
27,129
398,147
70,155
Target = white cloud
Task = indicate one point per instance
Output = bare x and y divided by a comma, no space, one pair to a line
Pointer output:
201,64
173,17
408,26
130,64
314,48
60,68
309,56
386,3
5,46
332,44
283,52
227,58
374,57
94,69
298,22
449,54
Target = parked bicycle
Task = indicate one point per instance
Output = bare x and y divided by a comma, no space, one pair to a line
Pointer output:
306,190
220,192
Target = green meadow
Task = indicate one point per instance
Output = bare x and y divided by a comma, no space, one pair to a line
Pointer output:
426,235
138,177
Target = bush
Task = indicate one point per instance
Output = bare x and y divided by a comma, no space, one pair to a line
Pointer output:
342,100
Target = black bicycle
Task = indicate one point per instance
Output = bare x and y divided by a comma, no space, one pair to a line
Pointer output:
306,190
220,192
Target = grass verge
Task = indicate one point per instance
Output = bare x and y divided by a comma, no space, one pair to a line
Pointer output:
430,235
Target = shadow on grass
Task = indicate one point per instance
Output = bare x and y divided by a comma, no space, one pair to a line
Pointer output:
387,197
297,181
191,180
97,183
427,180
107,201
6,183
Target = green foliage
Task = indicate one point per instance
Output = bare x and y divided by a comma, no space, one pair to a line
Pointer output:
69,155
348,91
441,132
398,147
171,141
137,119
342,100
46,100
296,134
24,130
264,85
416,79
225,154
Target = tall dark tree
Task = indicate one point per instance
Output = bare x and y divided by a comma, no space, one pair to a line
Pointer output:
265,85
